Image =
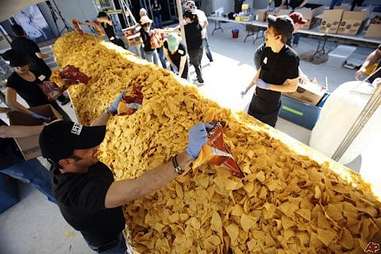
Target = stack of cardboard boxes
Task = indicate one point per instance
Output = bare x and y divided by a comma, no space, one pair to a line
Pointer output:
342,21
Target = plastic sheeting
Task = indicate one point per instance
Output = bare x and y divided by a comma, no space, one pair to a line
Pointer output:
337,116
9,8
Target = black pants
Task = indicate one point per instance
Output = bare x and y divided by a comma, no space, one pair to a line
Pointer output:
195,57
269,116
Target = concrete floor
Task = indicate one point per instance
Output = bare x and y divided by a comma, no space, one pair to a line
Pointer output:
34,225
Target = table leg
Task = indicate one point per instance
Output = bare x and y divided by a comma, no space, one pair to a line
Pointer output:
320,49
217,26
248,35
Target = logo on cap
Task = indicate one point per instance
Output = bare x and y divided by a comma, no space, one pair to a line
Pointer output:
76,130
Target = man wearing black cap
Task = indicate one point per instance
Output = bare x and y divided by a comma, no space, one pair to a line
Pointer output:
87,195
278,73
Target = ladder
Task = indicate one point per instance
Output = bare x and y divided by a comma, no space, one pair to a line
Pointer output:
130,19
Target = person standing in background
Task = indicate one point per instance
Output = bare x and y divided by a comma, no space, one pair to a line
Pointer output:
108,28
156,10
194,42
150,53
279,71
203,20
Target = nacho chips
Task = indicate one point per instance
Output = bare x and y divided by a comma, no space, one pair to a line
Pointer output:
286,203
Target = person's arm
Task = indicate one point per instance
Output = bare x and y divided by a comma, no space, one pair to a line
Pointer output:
167,56
41,55
288,87
121,192
372,58
111,110
303,4
11,100
105,20
102,119
20,131
252,83
183,61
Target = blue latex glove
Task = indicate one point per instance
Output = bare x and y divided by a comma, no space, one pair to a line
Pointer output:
262,84
175,69
40,117
113,108
197,137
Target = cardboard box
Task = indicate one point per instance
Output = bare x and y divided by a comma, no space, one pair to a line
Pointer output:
310,93
309,14
29,146
373,31
331,20
351,22
261,14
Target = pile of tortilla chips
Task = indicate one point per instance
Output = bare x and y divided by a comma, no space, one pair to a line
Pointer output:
286,203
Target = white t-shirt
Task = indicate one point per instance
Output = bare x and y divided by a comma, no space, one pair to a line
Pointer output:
202,19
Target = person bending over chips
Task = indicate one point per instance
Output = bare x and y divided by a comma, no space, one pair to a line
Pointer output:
86,193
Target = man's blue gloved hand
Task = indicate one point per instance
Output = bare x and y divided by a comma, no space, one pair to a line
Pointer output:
197,137
262,84
40,117
113,108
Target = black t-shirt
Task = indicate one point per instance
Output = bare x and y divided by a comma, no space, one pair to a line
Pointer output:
9,152
109,30
156,8
277,3
146,40
29,91
276,68
193,35
29,48
176,58
294,3
81,199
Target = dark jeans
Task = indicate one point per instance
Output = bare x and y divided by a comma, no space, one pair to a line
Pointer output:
195,57
160,51
205,44
33,172
116,246
157,20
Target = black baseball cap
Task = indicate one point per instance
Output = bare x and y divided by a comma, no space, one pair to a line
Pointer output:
59,139
282,24
15,59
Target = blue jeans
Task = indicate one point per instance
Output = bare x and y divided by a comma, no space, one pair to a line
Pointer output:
32,172
157,20
334,3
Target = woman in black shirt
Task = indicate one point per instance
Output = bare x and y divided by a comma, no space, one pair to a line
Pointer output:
177,56
108,27
194,42
26,84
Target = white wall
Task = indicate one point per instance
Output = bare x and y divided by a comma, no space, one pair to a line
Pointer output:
228,5
80,9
